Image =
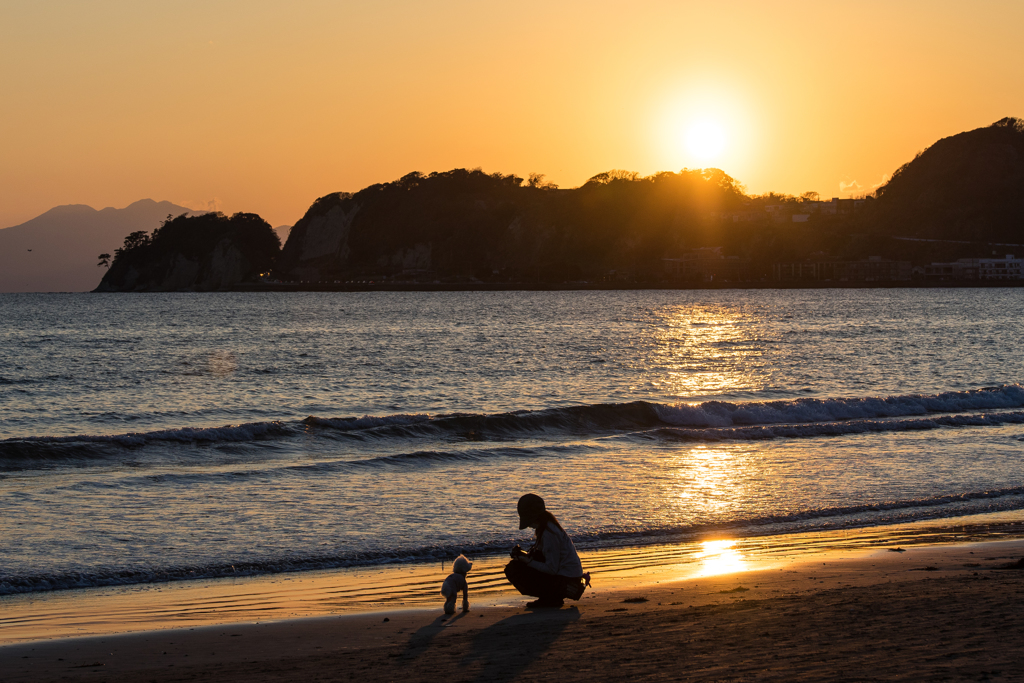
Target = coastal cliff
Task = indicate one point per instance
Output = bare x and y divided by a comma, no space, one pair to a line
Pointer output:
194,253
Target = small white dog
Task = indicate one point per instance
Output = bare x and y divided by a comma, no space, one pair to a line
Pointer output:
456,582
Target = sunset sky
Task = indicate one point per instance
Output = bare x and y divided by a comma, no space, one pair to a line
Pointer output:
263,106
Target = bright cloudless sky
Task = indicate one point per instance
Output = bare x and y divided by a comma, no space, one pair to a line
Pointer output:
264,105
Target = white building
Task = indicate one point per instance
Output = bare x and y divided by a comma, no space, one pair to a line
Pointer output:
1009,268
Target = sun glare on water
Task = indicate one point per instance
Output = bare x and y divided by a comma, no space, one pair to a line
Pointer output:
705,141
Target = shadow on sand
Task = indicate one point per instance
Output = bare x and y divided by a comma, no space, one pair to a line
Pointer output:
508,647
420,641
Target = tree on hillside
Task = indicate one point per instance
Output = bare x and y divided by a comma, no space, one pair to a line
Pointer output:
135,240
537,180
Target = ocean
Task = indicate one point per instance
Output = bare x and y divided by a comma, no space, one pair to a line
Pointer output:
155,437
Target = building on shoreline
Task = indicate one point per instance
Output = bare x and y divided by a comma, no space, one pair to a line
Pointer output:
707,265
871,269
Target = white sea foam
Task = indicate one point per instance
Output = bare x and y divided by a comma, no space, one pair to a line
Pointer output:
803,410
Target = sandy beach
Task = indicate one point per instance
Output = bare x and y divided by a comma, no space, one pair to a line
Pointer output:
927,612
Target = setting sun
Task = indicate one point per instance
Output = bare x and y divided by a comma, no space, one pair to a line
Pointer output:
705,141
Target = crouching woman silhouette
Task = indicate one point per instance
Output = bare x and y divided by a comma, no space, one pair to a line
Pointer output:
550,570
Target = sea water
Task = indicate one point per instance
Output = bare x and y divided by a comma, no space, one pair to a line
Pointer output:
153,437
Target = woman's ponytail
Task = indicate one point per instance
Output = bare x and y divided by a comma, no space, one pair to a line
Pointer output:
547,518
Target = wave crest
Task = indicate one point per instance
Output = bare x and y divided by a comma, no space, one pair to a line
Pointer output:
803,410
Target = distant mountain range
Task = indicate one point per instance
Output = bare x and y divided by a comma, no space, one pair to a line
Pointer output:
56,251
282,232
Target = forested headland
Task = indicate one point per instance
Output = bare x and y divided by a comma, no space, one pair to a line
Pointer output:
201,253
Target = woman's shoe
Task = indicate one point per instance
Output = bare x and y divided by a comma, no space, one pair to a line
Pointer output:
545,604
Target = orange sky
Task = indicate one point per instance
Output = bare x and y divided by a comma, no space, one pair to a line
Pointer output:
261,105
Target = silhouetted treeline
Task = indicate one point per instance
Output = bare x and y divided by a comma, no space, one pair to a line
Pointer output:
205,252
956,199
464,224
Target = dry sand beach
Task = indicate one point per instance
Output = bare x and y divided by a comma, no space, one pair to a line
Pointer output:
819,610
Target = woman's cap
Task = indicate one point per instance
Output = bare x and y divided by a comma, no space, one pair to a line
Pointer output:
529,507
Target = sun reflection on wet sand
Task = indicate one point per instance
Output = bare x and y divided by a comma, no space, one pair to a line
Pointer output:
720,557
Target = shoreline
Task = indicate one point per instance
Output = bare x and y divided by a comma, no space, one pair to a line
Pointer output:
928,612
106,611
608,287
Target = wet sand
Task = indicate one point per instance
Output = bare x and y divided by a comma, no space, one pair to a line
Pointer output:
262,599
946,612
